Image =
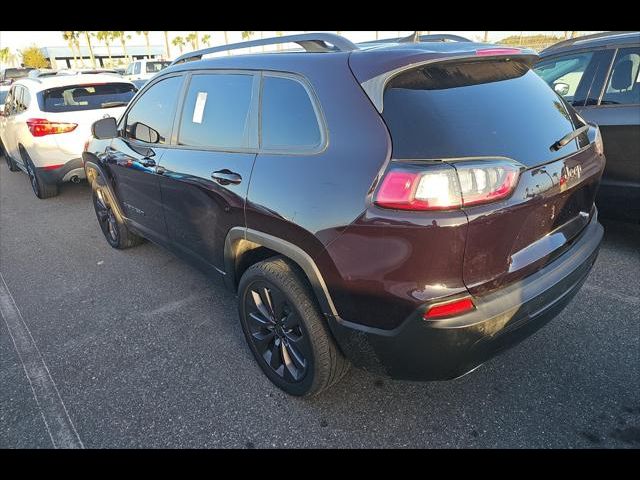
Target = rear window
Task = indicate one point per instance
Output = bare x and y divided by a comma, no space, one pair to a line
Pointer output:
154,67
86,97
482,108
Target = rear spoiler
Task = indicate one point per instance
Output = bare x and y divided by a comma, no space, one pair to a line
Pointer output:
374,87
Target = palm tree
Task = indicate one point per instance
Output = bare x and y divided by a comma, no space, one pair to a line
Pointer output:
105,36
193,38
87,36
179,42
279,46
146,39
486,37
197,40
247,35
377,35
6,56
119,34
206,39
166,43
69,36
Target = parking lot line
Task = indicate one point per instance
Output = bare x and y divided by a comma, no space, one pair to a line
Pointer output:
59,426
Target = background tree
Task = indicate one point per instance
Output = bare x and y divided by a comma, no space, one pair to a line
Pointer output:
87,37
206,40
166,44
179,42
6,56
247,35
146,39
193,39
120,35
33,57
106,37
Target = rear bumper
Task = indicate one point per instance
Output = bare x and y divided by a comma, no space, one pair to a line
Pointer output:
64,173
448,348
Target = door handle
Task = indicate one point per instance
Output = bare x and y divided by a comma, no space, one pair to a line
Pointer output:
226,177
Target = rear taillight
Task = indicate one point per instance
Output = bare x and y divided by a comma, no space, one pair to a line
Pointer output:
449,309
39,127
446,186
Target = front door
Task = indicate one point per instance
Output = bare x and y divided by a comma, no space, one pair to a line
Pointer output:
133,157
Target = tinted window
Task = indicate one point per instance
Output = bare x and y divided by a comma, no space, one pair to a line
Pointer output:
19,106
216,112
288,117
623,87
26,98
87,97
475,109
136,68
154,110
3,95
565,73
154,67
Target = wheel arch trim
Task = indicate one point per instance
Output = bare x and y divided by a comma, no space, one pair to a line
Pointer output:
239,235
91,162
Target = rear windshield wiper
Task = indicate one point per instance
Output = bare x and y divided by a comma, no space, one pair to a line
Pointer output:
568,137
114,104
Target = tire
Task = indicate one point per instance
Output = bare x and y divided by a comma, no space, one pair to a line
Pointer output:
40,188
115,231
296,351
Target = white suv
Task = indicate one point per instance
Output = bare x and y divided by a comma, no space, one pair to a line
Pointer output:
47,121
144,69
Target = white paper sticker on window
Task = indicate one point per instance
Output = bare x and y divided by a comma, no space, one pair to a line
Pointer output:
198,111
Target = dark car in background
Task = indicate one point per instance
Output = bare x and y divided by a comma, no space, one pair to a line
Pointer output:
414,208
598,75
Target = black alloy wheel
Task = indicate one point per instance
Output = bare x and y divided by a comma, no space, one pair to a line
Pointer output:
276,332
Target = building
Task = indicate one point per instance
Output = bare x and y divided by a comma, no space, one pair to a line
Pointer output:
63,57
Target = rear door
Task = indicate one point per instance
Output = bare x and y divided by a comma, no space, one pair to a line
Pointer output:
206,173
498,109
132,157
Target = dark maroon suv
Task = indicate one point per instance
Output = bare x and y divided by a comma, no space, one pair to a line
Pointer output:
411,208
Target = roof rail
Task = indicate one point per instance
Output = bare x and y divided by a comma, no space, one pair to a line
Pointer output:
593,36
311,42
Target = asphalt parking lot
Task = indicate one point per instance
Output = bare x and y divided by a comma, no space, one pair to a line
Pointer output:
147,352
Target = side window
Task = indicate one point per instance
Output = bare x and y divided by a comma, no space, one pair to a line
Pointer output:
136,68
564,74
9,103
216,112
129,70
150,119
623,86
288,118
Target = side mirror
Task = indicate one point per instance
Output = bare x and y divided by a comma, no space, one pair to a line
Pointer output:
561,88
105,128
145,133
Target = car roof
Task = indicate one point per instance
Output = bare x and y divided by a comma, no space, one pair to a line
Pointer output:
598,40
44,83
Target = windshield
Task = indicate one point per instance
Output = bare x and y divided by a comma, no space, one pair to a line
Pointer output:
154,67
87,97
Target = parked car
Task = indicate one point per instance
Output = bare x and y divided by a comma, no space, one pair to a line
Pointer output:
46,122
9,75
598,75
144,69
385,206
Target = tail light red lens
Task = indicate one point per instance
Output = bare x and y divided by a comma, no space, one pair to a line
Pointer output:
450,309
446,186
39,127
